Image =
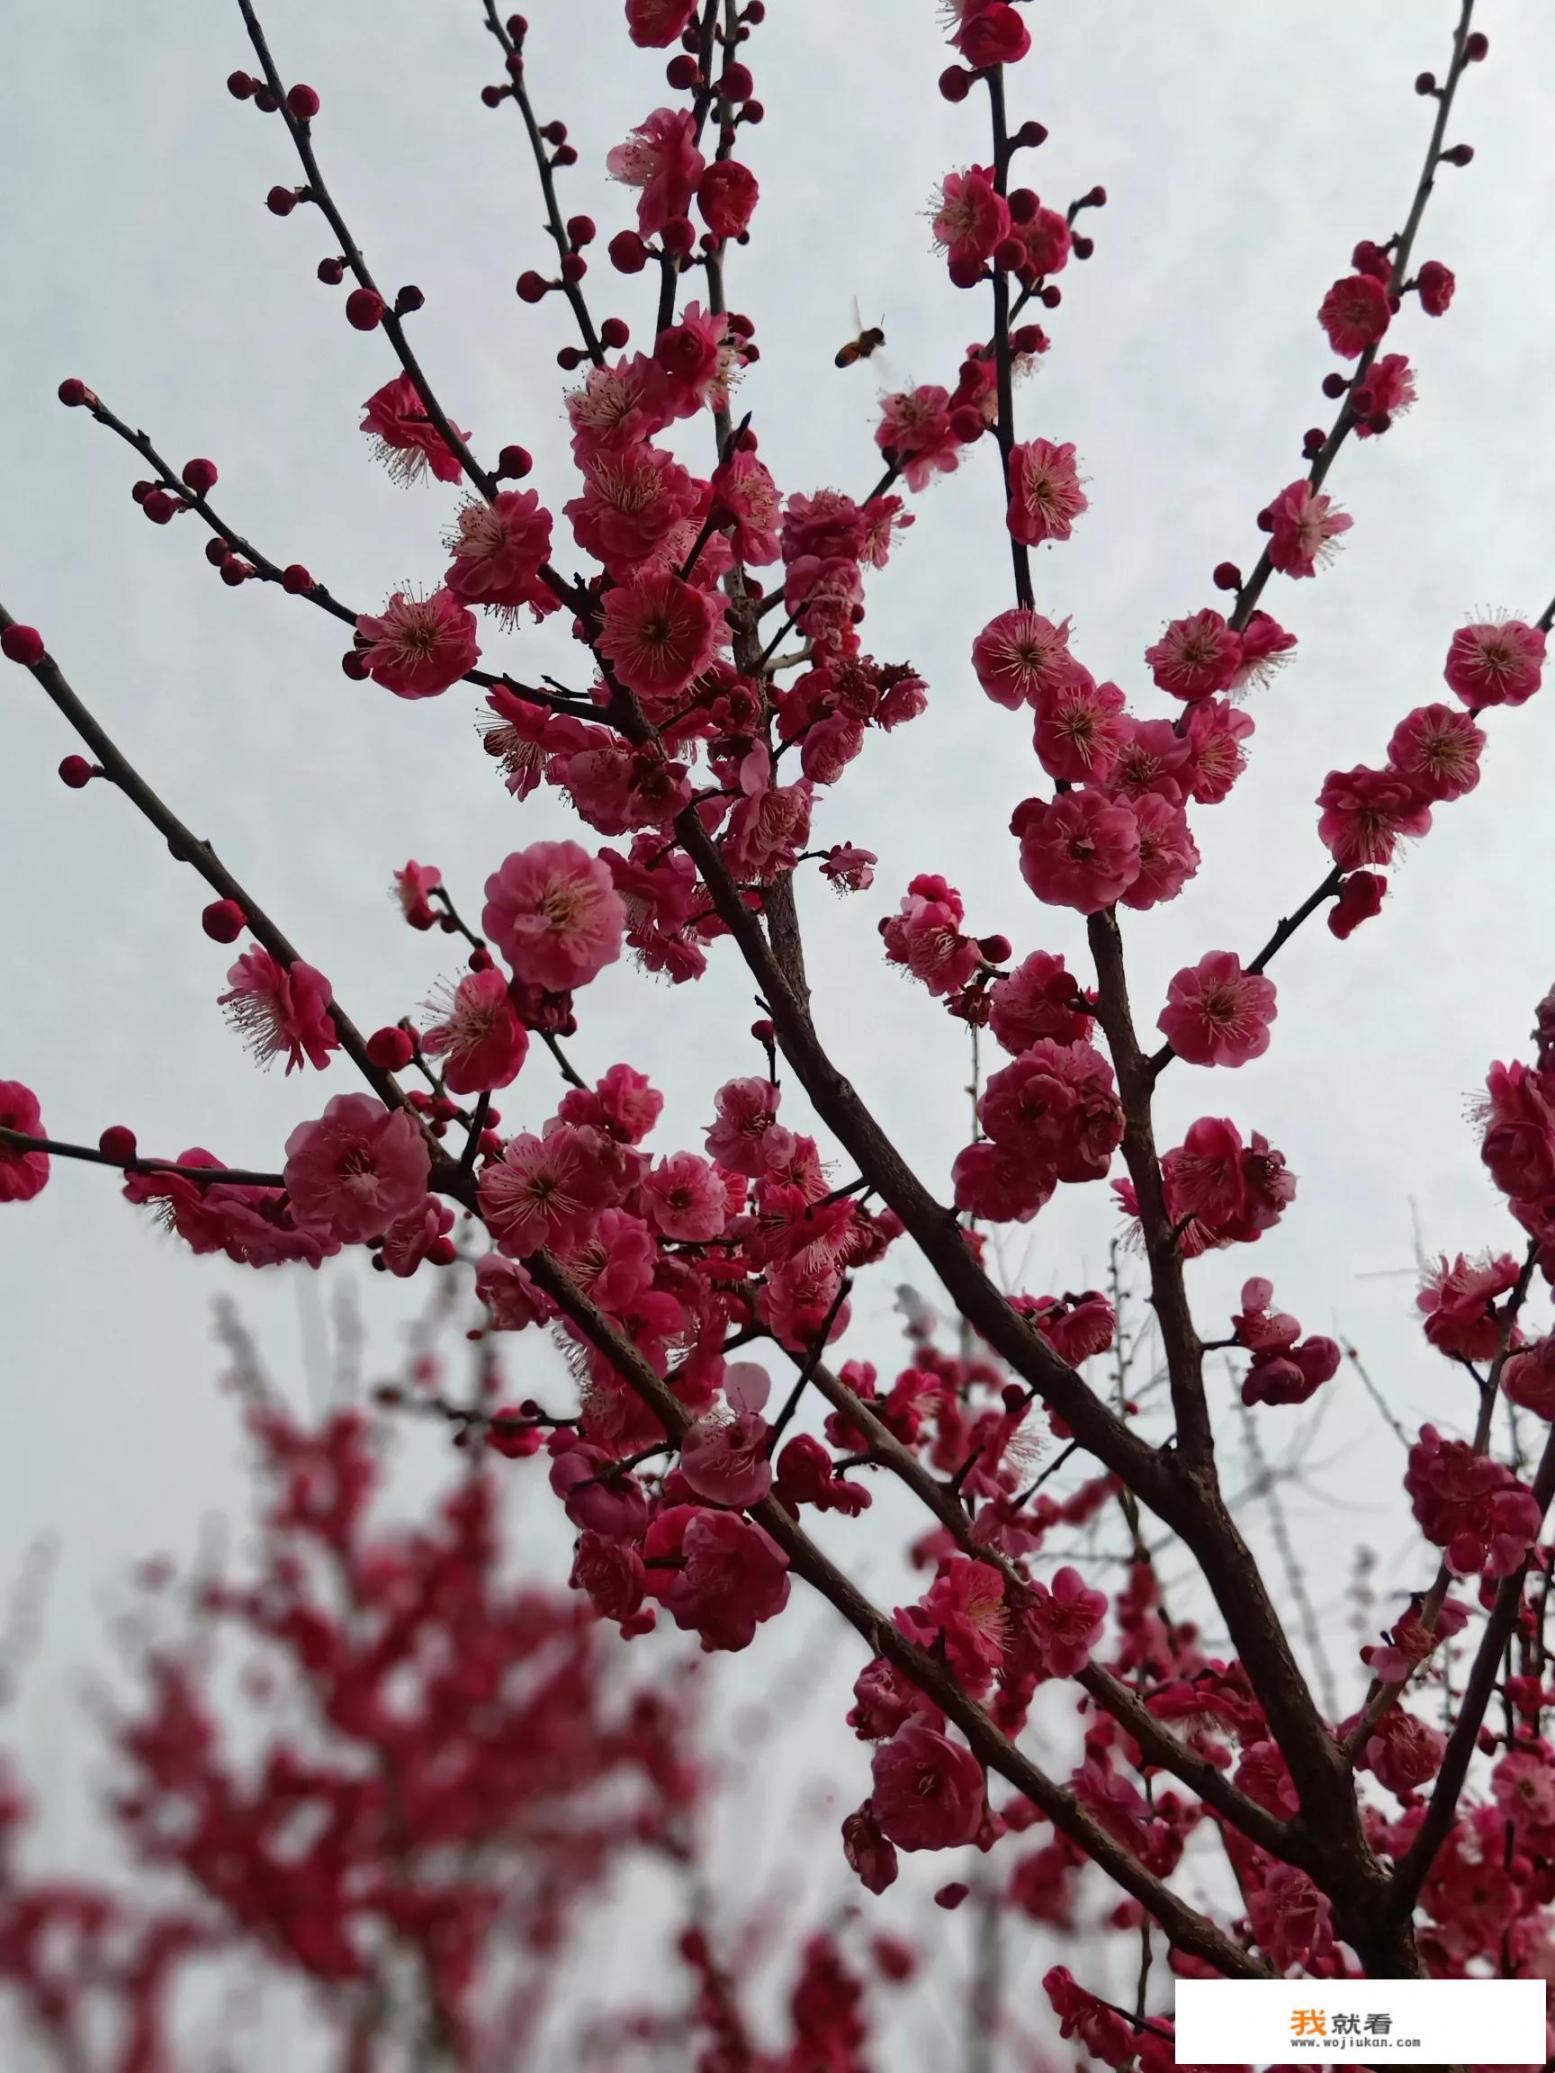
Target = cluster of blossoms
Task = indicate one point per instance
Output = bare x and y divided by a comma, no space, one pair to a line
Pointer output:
701,753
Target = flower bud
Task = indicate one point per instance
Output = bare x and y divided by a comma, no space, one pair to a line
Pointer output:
391,1049
364,309
223,921
23,644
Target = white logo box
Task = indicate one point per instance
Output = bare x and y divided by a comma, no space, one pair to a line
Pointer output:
1466,2022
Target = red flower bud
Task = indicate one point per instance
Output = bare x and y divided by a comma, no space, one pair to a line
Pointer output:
391,1049
23,644
364,309
118,1144
223,921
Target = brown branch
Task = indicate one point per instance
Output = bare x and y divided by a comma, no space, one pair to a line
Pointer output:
1187,1929
1344,423
1477,1693
190,849
350,251
543,167
202,1176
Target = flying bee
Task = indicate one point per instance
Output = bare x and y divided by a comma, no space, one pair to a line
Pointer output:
867,339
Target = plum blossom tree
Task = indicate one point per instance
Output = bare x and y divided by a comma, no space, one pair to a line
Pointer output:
722,693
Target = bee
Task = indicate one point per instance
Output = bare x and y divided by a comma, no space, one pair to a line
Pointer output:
867,339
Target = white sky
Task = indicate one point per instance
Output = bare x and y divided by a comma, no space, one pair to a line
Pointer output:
1244,148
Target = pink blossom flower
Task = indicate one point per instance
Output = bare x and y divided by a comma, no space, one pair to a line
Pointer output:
926,937
615,406
767,829
413,888
1258,1328
1019,655
746,1136
1386,393
971,217
554,913
1266,649
1458,1298
867,1851
418,646
727,195
915,431
1077,1327
1360,898
597,1495
1402,1752
1080,728
611,1573
545,1192
1495,662
1168,854
633,498
728,1576
499,549
1355,313
656,24
408,442
1040,998
1438,749
928,1792
1473,1508
613,1262
806,1475
1152,757
1303,526
511,1299
998,1185
1064,1623
1291,1919
1196,657
416,1236
658,633
22,1174
725,1460
623,1104
1519,1141
356,1169
750,499
1366,813
992,33
1102,2031
1436,284
847,869
1057,1106
280,1010
478,1033
1214,734
1082,850
660,158
1292,1375
1045,493
1528,1377
1217,1014
1523,1783
1046,242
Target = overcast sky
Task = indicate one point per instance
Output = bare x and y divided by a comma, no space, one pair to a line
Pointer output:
1244,149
